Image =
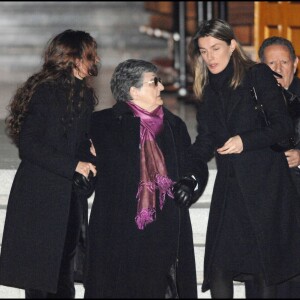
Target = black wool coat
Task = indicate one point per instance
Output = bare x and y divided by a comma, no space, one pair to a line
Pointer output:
263,175
295,114
123,261
40,197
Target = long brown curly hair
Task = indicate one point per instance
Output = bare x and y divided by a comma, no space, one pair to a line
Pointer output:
59,63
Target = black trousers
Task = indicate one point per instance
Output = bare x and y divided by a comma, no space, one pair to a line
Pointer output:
65,288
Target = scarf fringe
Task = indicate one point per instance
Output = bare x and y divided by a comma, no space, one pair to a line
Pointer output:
144,217
164,185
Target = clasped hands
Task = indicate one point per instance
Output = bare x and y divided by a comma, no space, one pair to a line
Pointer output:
84,172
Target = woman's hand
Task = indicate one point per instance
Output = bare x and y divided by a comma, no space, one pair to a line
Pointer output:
293,157
84,168
233,146
92,149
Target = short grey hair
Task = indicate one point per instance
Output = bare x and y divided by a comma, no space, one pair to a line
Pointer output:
127,74
276,40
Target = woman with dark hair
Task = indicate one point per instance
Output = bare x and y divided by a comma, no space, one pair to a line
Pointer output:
253,228
140,243
48,120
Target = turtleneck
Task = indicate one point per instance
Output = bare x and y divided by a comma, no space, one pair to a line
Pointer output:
217,81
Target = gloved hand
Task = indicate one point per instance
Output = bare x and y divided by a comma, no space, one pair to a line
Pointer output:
183,191
81,182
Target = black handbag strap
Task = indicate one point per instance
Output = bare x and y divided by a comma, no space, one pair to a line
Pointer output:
284,145
258,106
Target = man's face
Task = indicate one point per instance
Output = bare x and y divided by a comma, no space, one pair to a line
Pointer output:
278,58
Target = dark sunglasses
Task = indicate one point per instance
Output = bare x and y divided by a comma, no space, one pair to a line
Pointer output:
155,80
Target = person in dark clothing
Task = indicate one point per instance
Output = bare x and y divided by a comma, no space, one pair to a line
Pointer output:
140,242
253,227
48,120
279,54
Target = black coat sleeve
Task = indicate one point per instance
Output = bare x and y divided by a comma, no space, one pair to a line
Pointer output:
196,166
32,146
281,125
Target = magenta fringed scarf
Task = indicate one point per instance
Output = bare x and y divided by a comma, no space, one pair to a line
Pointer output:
152,166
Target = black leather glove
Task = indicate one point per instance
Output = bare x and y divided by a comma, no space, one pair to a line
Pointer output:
80,182
183,191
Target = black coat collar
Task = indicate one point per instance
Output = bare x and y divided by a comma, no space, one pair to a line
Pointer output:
295,86
121,109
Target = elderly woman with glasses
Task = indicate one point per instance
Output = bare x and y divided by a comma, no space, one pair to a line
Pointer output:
140,240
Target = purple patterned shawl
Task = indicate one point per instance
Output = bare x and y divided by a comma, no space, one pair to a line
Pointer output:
152,166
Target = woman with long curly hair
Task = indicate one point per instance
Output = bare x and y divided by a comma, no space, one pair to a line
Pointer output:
48,120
